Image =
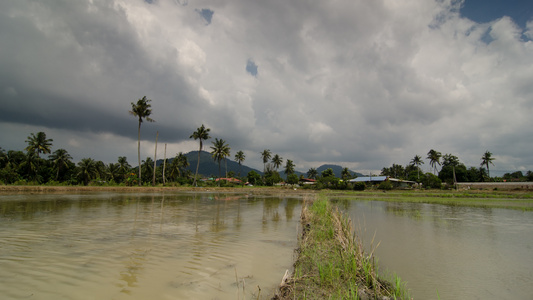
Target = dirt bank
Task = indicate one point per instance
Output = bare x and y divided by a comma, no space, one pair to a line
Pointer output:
123,189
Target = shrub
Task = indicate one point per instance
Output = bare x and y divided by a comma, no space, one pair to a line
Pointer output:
359,186
385,185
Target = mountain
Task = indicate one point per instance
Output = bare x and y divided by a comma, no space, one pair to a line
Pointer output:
337,170
209,167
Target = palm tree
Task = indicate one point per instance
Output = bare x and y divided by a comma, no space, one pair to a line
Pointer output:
175,168
266,154
60,158
434,159
312,173
346,174
417,161
38,143
182,161
487,159
148,167
201,134
113,171
289,168
277,161
30,165
239,157
123,166
87,170
220,150
141,110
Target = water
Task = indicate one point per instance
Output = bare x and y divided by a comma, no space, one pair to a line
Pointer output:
450,252
148,246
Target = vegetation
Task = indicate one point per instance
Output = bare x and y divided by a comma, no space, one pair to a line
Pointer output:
487,159
142,110
331,262
220,150
29,168
200,134
519,200
240,157
266,154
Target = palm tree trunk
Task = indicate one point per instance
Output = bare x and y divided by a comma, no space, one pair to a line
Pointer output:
155,158
139,150
164,164
197,165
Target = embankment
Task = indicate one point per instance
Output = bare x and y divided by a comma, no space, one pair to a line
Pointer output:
331,262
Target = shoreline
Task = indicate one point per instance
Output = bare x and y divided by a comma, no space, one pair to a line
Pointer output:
144,189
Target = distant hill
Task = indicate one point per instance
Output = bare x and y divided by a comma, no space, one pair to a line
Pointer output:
337,170
209,168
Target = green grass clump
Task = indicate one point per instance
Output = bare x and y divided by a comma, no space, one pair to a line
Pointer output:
331,262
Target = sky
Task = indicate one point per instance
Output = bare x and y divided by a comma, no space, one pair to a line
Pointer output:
357,83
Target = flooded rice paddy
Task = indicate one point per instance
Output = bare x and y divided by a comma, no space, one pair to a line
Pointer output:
238,246
450,252
145,246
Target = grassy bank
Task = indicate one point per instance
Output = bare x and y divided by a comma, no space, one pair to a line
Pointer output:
331,263
521,200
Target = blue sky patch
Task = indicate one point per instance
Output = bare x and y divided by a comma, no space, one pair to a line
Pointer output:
206,13
483,11
251,67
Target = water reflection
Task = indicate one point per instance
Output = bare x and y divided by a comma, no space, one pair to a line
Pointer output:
451,252
137,246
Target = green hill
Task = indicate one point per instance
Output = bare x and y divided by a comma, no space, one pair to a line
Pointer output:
209,168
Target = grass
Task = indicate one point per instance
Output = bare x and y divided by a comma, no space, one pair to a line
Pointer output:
331,262
520,200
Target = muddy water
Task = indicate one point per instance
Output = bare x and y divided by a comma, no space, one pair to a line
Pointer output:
447,252
151,246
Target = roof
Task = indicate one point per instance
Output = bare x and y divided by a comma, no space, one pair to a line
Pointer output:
368,178
379,179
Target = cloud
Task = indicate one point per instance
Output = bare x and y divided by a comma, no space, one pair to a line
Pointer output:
360,83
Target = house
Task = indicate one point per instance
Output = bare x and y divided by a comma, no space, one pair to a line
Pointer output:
307,181
232,180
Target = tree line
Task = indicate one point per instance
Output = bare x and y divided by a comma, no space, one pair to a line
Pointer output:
452,170
19,167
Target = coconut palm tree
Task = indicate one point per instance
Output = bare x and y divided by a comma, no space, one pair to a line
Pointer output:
38,143
220,150
142,110
277,161
417,161
30,166
202,134
312,173
113,171
487,159
87,170
60,158
266,155
123,166
183,162
179,162
148,167
289,168
434,159
239,157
